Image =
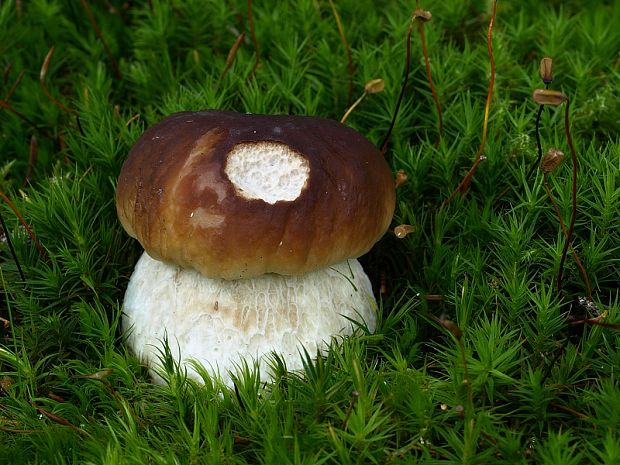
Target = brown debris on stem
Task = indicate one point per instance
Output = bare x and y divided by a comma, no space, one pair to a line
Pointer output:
403,230
401,178
552,160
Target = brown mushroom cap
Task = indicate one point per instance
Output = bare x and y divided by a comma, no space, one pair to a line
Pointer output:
175,193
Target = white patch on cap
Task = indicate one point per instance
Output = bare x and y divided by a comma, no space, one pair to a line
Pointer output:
269,171
203,219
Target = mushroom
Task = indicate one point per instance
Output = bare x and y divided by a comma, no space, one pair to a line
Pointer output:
251,225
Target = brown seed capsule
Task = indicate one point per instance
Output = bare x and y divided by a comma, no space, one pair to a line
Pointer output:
422,15
548,97
401,178
552,159
403,230
375,86
546,70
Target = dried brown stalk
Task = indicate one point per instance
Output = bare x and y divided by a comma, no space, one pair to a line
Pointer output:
232,54
58,419
32,159
95,25
463,186
343,38
12,249
4,103
582,270
386,138
254,41
573,218
43,74
423,17
11,91
33,237
7,106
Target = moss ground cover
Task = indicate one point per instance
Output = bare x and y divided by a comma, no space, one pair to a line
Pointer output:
478,357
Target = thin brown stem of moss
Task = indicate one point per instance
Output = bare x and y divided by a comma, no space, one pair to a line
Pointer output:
32,235
352,107
32,159
95,25
573,218
13,88
429,76
463,186
43,74
7,106
469,423
487,107
582,270
343,38
538,144
11,248
386,139
232,53
254,41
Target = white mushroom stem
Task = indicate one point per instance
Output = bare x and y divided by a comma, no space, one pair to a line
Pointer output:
221,322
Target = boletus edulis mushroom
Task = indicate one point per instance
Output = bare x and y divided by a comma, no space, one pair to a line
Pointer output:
251,225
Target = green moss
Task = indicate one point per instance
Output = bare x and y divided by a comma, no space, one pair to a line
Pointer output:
522,384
